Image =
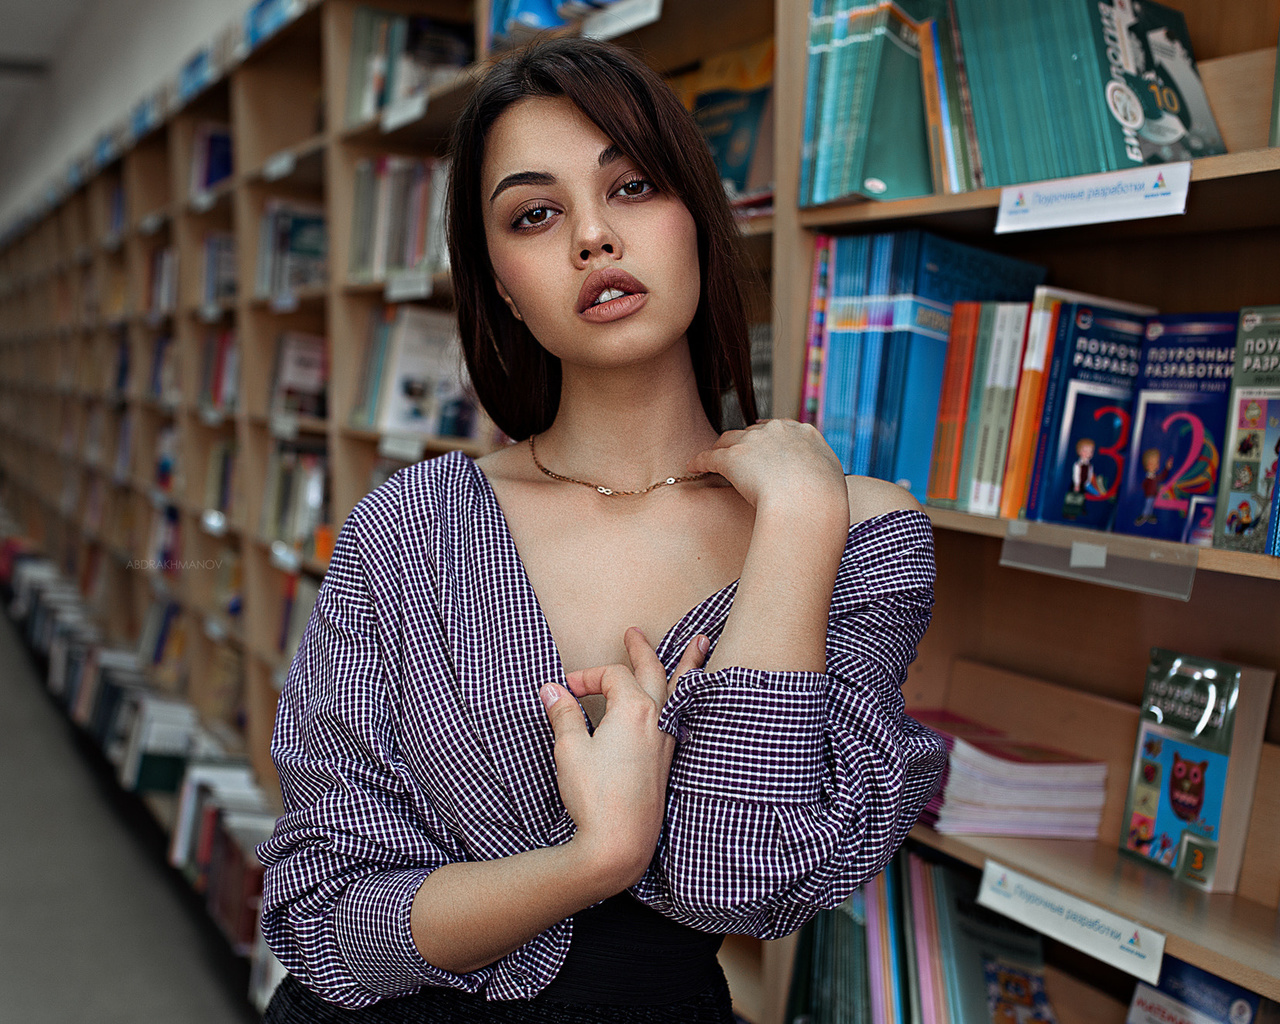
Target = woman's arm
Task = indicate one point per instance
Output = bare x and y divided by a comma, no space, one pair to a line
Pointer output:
791,476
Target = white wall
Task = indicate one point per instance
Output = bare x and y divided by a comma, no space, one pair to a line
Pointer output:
116,53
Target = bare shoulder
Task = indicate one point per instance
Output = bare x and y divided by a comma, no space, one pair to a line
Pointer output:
869,497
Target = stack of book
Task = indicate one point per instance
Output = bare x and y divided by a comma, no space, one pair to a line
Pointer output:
163,385
913,944
411,380
219,484
877,343
949,95
295,498
219,371
300,383
162,281
293,246
994,785
211,163
398,223
396,59
219,280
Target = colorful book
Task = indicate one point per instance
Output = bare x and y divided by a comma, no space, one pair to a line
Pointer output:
1188,993
948,439
1253,434
1170,488
1083,447
1195,767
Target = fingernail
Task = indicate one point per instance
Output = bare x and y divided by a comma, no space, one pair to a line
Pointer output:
549,694
704,644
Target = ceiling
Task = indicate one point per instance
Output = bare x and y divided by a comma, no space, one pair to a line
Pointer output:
30,31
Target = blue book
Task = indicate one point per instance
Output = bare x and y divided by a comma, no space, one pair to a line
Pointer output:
939,273
1273,523
849,265
1188,993
902,273
1087,416
1179,427
879,321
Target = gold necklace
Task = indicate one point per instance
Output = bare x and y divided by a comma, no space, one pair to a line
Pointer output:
609,490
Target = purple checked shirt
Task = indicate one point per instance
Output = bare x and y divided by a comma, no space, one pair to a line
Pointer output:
410,735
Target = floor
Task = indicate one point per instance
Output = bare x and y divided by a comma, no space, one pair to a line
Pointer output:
94,926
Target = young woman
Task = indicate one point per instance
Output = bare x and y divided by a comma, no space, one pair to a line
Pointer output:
565,715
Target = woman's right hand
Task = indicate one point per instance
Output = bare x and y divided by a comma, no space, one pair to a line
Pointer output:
614,781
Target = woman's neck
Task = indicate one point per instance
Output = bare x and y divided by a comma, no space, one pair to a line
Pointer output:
627,427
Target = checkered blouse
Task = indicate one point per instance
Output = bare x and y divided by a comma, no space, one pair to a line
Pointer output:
410,735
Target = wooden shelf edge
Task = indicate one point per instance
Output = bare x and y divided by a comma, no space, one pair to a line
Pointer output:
845,212
1233,563
1224,934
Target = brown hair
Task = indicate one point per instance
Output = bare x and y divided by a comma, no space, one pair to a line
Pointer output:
516,380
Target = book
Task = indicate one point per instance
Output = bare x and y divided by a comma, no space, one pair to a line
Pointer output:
1084,429
421,380
293,244
948,440
731,98
1188,993
1195,767
211,157
1170,486
1253,434
300,383
1008,333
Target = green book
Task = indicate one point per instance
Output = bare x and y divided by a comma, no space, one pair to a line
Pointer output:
1248,474
1149,86
977,395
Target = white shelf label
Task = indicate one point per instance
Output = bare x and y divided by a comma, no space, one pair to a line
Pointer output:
404,112
405,447
622,17
211,312
284,557
212,416
214,522
280,166
214,629
151,223
1156,191
284,425
203,201
284,302
1088,556
1078,923
407,285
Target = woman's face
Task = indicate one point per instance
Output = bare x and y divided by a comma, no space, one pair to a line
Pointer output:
600,265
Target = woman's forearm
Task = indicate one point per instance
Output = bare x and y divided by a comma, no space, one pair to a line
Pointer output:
779,617
467,915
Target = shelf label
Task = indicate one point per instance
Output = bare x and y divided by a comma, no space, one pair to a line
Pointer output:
203,201
1088,556
1078,923
214,629
622,17
196,73
214,522
404,112
284,302
405,447
151,223
211,312
285,558
1156,191
280,166
407,285
212,416
284,425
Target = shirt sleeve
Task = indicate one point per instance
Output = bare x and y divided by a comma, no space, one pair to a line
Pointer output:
357,838
788,790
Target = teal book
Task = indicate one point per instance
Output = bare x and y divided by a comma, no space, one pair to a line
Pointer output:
1149,86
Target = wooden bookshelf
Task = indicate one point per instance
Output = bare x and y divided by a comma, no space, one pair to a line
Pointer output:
72,284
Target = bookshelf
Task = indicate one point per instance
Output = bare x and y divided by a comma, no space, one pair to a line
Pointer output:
1090,640
76,292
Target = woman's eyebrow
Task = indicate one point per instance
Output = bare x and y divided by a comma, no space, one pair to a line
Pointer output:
607,156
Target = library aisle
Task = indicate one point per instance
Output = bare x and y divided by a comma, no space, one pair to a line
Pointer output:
92,927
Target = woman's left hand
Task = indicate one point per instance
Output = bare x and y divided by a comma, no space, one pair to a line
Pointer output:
780,463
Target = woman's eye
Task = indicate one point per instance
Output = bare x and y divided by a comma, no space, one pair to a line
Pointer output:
635,187
532,218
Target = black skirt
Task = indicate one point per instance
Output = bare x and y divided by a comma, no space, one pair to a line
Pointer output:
295,1004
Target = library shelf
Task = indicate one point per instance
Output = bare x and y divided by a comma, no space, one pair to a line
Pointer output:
1231,937
430,126
301,164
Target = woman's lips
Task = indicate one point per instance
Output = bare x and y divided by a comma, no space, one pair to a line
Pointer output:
601,281
614,309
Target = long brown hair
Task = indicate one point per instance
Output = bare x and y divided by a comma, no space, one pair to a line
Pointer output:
515,378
